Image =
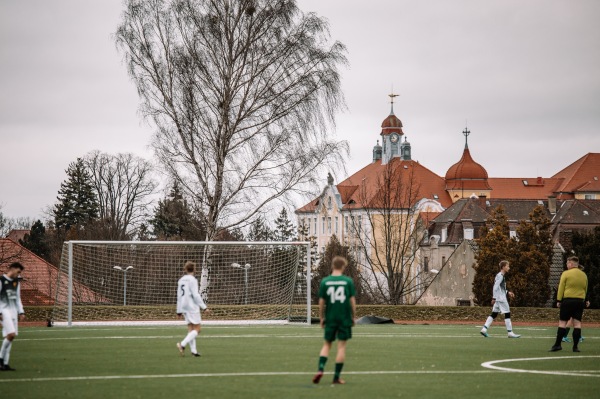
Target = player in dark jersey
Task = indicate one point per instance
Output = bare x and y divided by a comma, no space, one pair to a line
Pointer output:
337,309
11,310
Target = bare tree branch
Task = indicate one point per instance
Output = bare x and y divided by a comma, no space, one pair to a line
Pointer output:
385,227
124,185
242,93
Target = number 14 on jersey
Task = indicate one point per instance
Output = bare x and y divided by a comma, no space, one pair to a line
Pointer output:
336,294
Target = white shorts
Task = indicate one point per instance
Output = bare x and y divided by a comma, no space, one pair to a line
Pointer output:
501,307
10,323
192,317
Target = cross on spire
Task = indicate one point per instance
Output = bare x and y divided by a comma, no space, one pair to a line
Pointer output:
392,96
466,132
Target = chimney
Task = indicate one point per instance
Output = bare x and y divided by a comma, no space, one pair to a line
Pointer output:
444,233
540,181
552,204
482,199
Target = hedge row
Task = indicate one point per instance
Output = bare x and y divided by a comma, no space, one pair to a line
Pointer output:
400,313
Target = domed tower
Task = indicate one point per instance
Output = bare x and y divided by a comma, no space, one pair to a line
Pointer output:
405,150
466,177
391,135
377,152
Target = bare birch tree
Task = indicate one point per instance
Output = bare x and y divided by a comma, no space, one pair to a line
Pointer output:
386,230
124,186
243,94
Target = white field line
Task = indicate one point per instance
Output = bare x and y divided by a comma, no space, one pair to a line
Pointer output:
253,374
26,331
574,373
272,336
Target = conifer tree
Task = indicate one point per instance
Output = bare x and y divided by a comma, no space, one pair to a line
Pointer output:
36,242
530,263
586,245
77,202
494,245
174,219
284,228
260,231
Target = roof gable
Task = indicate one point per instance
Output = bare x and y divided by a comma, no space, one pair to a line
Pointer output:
585,169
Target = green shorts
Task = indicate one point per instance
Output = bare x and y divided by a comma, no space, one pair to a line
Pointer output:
341,332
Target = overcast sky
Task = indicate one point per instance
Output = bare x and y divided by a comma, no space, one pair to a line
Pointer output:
524,75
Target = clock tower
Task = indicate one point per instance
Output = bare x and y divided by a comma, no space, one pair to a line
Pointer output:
391,135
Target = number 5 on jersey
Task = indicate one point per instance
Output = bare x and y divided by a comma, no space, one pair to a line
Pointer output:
336,294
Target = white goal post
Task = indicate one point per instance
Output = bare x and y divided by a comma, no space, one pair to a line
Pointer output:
129,282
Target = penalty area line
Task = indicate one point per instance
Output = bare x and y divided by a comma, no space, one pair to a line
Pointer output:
254,374
575,373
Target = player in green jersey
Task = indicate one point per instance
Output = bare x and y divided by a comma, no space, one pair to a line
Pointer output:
337,309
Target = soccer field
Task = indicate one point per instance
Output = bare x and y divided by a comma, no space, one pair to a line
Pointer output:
385,361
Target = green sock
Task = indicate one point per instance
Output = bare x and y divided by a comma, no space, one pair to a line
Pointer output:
338,370
322,361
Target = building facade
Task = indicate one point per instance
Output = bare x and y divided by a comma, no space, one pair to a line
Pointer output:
430,211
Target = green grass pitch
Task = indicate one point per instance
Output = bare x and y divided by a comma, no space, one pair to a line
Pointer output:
385,361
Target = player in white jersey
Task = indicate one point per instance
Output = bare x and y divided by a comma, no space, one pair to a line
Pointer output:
189,303
500,302
11,310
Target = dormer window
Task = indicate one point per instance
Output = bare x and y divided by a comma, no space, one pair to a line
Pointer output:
468,233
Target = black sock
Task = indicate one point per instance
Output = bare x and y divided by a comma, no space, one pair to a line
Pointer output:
338,371
322,361
576,336
560,333
567,331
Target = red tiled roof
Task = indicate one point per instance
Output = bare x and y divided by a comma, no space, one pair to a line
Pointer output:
346,192
510,187
17,235
361,189
39,277
590,187
310,207
586,169
427,217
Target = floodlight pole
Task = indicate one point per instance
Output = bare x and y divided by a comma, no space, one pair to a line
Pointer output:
308,284
124,281
246,267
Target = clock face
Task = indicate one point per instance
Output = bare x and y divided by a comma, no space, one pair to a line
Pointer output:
394,138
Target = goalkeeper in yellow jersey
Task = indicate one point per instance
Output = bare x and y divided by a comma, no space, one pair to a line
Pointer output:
337,309
572,291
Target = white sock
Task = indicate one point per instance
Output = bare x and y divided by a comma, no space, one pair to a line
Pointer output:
188,338
193,346
488,322
508,325
6,345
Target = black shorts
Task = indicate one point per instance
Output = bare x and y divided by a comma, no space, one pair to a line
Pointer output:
571,307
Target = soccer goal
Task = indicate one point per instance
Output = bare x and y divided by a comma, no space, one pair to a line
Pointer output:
134,282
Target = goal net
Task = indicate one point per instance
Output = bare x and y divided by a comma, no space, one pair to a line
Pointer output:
132,282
